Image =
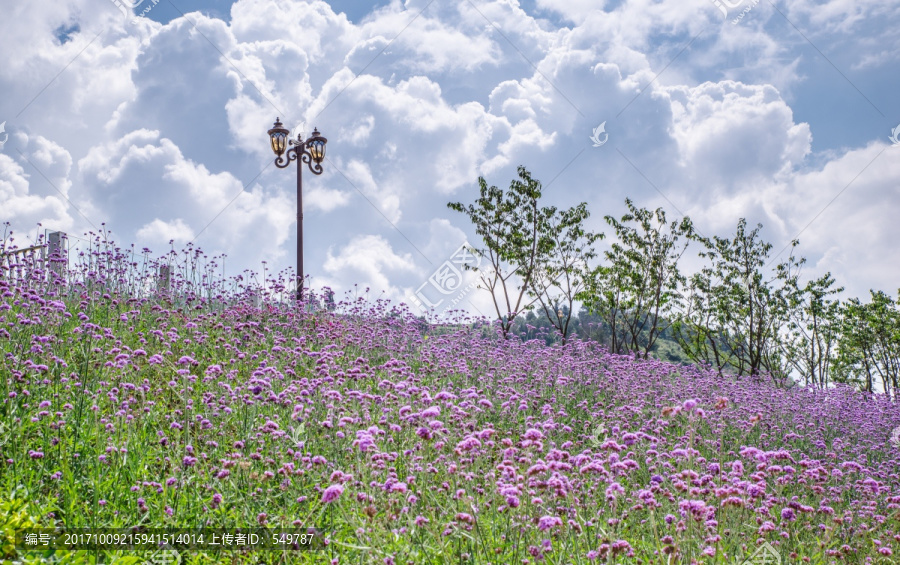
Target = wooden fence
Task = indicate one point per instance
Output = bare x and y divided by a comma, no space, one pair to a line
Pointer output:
36,264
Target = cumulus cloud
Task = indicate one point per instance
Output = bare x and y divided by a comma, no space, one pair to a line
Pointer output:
35,187
369,260
159,129
160,232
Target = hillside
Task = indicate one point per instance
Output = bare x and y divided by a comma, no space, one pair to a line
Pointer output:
399,446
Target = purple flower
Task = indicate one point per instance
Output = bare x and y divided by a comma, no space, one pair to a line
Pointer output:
332,493
364,440
547,522
468,444
613,490
432,412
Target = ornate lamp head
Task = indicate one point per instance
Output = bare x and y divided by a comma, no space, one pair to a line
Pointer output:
278,136
316,145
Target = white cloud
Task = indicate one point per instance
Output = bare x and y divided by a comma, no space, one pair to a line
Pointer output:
367,261
325,199
160,233
144,182
160,130
34,187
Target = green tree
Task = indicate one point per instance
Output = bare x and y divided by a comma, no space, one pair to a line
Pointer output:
869,344
732,316
563,272
514,231
810,347
636,291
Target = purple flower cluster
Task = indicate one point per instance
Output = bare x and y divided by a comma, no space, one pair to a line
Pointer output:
434,435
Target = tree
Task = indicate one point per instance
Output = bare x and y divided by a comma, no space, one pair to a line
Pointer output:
810,347
514,231
562,273
869,344
636,290
732,316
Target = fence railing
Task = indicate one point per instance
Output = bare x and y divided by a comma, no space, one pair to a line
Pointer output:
37,264
46,267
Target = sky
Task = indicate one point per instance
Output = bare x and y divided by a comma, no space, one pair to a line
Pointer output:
152,119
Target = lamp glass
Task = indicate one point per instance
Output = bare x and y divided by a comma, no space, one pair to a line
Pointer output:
317,148
316,145
278,143
278,137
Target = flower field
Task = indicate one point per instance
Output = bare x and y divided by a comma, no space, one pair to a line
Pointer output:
401,444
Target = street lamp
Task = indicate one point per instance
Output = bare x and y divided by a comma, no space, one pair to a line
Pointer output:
311,152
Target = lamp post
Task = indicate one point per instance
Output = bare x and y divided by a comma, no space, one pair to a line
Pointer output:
311,152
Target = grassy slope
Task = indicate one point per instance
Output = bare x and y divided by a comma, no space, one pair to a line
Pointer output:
267,408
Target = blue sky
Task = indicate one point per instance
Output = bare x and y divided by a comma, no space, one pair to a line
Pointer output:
165,12
155,124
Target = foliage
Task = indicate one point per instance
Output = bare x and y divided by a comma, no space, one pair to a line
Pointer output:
636,290
733,316
516,242
563,273
869,343
810,345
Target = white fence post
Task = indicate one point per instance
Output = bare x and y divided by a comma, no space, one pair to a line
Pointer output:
57,256
165,274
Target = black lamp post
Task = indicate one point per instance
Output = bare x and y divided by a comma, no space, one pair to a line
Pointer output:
311,152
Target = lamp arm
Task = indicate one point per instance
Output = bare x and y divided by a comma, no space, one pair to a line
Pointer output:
281,162
306,157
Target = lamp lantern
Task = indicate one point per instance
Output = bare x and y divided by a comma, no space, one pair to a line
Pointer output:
278,137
